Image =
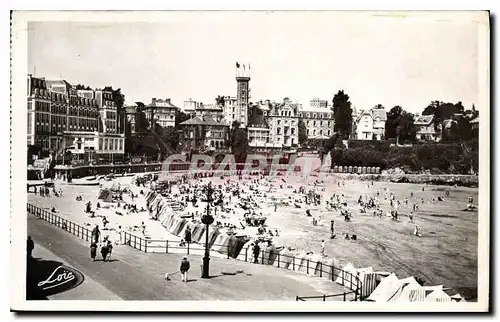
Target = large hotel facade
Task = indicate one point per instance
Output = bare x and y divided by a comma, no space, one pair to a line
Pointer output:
62,118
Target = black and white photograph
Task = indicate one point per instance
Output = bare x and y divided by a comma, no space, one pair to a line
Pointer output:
250,160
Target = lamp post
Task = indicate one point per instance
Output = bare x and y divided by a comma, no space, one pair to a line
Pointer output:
207,220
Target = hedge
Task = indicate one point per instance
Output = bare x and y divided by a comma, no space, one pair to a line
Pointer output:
437,158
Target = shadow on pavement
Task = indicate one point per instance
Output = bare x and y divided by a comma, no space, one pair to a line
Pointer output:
49,277
38,270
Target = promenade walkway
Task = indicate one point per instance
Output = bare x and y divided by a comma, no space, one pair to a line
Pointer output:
134,275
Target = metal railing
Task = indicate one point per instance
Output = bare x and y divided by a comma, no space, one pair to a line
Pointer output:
325,297
269,257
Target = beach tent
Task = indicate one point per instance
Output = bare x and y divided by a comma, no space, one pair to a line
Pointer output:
183,231
212,236
179,224
409,291
368,280
346,277
238,246
221,243
432,288
198,234
105,195
386,289
246,253
438,296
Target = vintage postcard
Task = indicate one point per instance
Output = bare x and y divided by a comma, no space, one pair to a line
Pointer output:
250,161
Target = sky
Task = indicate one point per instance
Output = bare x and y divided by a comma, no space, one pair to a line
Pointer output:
386,60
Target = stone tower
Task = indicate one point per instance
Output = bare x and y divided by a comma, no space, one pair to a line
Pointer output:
243,93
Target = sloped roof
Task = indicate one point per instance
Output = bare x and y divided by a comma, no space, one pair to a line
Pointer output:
205,120
378,112
423,119
159,103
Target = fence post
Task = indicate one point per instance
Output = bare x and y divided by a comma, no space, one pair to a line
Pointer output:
188,248
344,296
293,262
135,242
320,269
227,248
308,266
350,280
246,254
145,245
324,298
262,257
297,298
278,260
166,247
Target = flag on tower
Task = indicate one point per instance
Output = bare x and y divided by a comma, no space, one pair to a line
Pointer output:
237,65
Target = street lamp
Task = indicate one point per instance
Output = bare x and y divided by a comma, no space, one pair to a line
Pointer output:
207,220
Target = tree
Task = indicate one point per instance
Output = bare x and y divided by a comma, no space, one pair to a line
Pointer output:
220,100
342,113
239,142
391,125
302,132
399,125
80,86
170,136
180,117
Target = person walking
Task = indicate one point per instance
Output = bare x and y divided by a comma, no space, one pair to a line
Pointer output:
322,247
184,268
96,234
256,252
30,245
119,238
104,251
93,250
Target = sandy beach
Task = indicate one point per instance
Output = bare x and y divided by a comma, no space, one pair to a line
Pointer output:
441,256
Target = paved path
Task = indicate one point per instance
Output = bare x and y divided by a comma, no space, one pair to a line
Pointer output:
134,275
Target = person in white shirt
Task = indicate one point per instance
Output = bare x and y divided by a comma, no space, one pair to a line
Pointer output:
322,247
119,238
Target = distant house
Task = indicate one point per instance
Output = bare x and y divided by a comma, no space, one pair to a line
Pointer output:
203,132
369,124
425,129
475,123
162,111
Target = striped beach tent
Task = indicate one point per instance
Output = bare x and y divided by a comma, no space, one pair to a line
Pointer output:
386,289
178,226
221,243
409,291
438,296
368,280
198,233
212,236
